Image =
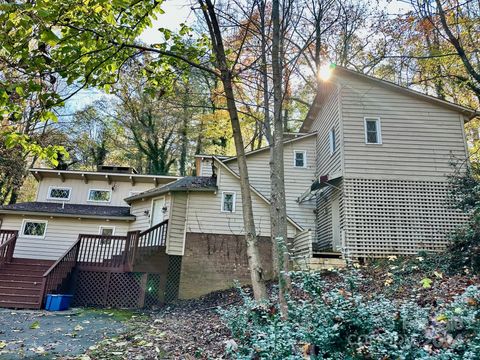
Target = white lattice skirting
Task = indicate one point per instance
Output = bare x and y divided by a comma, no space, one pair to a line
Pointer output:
385,217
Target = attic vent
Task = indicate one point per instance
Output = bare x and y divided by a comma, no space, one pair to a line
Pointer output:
116,169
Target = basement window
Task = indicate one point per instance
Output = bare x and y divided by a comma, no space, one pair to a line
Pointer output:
97,195
373,131
300,158
59,193
34,228
228,201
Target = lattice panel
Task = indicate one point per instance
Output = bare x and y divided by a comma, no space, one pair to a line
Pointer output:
117,290
124,290
173,277
153,291
91,288
385,217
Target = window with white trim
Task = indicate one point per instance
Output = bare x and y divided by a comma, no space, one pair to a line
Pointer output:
106,230
332,141
34,228
59,193
228,201
300,158
373,131
99,195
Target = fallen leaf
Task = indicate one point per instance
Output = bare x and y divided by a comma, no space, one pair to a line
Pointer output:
35,325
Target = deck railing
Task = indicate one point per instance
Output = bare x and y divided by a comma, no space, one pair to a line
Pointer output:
57,276
151,240
8,239
104,253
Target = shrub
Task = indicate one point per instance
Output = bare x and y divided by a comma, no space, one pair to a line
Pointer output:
341,323
465,246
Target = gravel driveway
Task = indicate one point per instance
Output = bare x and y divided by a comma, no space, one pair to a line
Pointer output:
55,335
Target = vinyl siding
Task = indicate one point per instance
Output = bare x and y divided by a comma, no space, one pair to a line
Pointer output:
328,118
61,233
79,190
176,225
297,180
204,213
419,138
138,209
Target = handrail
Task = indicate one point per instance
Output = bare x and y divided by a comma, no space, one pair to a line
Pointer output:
7,247
150,240
6,235
54,278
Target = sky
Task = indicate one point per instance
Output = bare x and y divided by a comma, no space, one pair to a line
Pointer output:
177,12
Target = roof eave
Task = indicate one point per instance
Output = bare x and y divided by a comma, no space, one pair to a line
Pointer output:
166,191
54,214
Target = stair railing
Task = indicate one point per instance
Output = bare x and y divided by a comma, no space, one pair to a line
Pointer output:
8,239
151,240
58,275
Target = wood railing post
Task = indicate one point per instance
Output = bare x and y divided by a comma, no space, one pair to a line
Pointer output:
11,248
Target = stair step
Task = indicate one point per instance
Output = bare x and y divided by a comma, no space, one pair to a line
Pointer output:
19,304
36,272
26,267
20,283
14,290
19,297
34,262
19,277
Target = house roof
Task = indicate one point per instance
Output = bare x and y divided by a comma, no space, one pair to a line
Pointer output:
86,176
69,210
187,183
298,136
315,108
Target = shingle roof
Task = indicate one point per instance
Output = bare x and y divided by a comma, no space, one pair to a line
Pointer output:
70,209
187,183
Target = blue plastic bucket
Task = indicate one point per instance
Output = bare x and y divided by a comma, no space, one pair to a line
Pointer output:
58,302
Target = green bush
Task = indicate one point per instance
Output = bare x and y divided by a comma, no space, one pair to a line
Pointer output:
464,249
341,323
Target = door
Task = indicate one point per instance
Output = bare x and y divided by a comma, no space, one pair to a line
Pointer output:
158,212
336,239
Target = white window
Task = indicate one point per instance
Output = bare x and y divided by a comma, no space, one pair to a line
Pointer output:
331,139
300,158
99,195
34,228
106,230
373,131
228,201
59,193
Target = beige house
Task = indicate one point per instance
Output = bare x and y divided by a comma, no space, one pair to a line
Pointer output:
366,176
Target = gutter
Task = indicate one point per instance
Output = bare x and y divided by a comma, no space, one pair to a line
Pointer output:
76,216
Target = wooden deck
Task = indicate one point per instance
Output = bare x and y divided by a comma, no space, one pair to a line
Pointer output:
24,283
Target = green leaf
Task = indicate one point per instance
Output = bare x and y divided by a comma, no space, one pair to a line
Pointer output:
35,325
426,283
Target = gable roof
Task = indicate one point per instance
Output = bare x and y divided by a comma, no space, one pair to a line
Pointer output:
342,71
255,191
69,210
298,136
187,183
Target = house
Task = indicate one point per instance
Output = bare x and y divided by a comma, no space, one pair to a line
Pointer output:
366,176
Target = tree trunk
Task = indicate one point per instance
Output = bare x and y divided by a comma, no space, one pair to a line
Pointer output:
278,206
253,253
184,131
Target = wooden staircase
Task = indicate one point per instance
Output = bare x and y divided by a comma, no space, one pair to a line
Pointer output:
21,283
24,283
